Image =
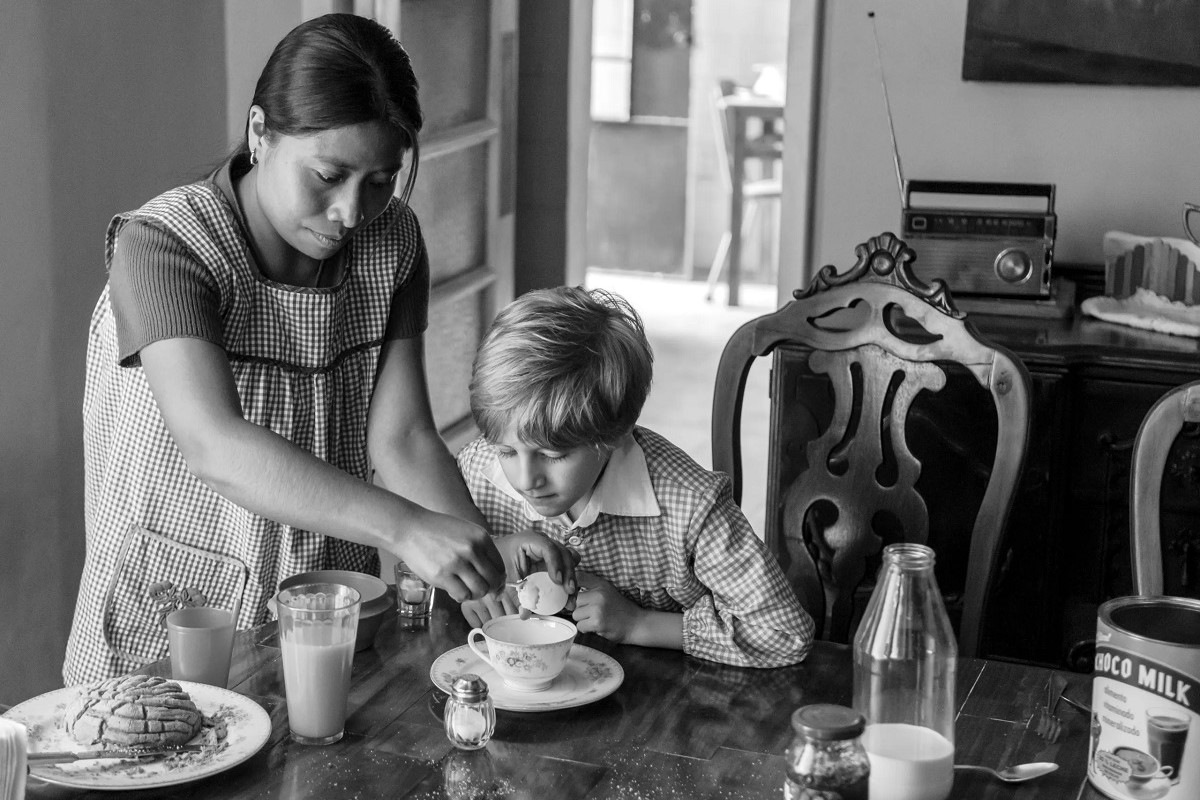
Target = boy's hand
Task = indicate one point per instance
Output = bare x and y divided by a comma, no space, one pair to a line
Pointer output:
477,612
523,552
600,608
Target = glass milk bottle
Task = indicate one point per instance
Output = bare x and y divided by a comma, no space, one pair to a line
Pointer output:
904,663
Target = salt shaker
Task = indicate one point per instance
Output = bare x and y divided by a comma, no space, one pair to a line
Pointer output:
826,760
905,657
470,715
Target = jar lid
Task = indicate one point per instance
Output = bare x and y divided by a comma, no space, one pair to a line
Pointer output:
828,721
468,687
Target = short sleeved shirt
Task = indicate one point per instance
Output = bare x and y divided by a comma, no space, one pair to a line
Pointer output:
304,363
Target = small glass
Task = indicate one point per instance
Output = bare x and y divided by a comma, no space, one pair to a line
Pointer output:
201,644
470,715
413,595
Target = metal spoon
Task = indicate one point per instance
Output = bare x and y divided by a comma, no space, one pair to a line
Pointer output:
1017,772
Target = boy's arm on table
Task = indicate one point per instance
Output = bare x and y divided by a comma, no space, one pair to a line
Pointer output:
751,616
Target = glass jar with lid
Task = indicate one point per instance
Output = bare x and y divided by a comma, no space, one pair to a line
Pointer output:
826,759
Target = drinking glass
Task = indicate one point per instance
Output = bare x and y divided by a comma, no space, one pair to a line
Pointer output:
413,595
317,626
201,644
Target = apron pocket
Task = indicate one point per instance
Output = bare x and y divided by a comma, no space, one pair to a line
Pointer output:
155,575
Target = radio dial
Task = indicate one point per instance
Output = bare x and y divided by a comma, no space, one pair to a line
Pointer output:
1013,265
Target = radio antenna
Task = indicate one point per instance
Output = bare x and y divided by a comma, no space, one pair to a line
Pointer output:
888,105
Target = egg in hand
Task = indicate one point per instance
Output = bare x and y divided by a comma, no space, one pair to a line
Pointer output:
541,595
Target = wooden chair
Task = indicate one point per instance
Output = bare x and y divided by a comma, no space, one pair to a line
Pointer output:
756,192
854,356
1162,424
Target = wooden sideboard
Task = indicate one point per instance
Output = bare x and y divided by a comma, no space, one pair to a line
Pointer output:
1067,544
1068,537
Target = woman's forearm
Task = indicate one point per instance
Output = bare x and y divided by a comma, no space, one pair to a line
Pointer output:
417,465
268,475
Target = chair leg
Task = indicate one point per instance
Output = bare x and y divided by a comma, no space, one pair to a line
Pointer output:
714,272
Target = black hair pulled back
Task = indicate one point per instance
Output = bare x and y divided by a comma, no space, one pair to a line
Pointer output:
337,70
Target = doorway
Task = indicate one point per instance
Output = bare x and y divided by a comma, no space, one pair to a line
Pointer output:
658,204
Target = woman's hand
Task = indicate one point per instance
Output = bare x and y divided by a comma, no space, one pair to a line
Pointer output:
453,554
528,550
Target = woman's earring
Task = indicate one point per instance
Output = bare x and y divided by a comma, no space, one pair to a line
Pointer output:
253,156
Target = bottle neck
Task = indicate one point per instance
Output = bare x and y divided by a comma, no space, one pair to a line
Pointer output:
909,557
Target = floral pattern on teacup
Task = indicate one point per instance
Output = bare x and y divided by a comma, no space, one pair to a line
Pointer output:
523,661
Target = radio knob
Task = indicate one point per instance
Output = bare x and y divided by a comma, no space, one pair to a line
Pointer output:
1013,265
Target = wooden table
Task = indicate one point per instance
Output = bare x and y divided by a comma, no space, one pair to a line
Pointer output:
678,727
740,109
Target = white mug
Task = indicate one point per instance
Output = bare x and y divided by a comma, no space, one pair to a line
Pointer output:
527,653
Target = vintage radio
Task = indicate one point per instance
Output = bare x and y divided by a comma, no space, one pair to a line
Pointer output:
982,239
985,240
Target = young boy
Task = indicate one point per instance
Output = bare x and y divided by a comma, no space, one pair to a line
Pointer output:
666,558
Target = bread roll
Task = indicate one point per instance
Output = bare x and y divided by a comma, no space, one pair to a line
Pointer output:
133,711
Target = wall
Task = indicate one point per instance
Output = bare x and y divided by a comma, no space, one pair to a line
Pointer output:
1122,157
105,105
252,29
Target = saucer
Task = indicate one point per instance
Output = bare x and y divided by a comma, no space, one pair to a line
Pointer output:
588,676
1150,790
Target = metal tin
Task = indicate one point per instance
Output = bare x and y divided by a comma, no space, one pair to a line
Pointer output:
1146,699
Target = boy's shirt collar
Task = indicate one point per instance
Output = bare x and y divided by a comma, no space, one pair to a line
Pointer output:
624,487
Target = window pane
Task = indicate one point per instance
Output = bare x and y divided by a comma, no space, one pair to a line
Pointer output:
612,28
610,90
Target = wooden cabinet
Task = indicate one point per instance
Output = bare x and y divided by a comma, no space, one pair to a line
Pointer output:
1067,544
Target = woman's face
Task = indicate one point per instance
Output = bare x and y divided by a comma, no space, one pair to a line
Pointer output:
317,190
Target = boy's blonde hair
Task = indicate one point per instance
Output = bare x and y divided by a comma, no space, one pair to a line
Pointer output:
567,366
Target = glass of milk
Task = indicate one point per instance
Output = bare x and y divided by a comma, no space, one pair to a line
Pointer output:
905,657
317,626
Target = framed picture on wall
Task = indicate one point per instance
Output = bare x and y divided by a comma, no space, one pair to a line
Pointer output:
1115,42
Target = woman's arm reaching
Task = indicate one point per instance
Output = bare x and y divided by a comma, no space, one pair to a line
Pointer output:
268,475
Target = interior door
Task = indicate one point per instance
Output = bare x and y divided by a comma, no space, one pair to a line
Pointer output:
465,56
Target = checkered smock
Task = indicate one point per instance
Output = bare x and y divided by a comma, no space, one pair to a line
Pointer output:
698,556
304,362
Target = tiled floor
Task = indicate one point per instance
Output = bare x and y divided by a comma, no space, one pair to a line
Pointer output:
687,334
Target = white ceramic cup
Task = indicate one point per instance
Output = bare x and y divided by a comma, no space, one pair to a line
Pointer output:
527,653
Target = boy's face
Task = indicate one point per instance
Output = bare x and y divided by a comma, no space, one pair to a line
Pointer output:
553,481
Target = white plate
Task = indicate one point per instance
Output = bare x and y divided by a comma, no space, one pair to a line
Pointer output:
248,728
588,676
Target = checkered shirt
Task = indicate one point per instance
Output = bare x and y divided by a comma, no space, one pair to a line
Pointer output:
698,555
304,363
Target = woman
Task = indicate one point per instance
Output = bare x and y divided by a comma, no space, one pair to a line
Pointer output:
257,354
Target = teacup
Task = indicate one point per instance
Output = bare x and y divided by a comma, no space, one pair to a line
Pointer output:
1143,767
527,653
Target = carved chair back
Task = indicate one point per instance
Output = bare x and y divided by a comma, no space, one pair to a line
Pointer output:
877,340
1151,448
